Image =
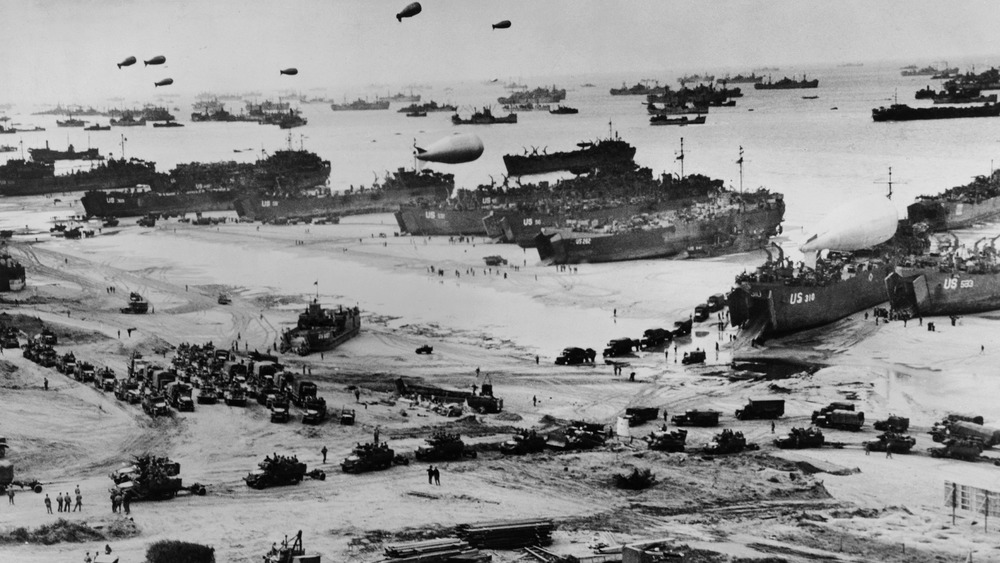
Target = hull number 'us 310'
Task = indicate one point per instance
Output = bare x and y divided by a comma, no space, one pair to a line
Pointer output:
797,298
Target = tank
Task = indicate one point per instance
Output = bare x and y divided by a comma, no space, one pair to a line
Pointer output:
525,441
443,446
664,441
896,442
800,438
728,442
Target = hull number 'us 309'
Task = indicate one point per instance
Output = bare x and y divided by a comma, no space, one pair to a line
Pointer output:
583,241
797,298
955,283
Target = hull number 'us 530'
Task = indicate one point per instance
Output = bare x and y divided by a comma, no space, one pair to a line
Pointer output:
797,298
583,241
955,283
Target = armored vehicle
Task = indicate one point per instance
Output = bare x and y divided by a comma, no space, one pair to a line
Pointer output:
664,441
279,413
696,418
280,470
179,396
369,457
67,364
443,446
425,349
959,448
525,441
584,436
800,438
898,443
761,408
347,416
152,478
207,395
728,442
234,396
106,376
315,410
894,423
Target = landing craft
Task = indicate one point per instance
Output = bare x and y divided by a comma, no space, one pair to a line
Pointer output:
409,11
164,82
157,60
289,71
502,25
854,226
127,62
456,149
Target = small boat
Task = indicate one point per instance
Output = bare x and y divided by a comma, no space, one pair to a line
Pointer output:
416,113
809,97
683,120
563,110
168,124
97,127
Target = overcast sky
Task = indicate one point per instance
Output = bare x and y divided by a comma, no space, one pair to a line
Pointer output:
67,49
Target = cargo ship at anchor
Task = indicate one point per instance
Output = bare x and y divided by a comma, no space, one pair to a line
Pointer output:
787,84
400,187
52,155
903,112
730,223
604,153
958,207
198,187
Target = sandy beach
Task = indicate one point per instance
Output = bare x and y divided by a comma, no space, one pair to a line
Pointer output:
498,320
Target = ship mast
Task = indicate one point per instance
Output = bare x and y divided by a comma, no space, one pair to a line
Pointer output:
680,157
740,162
889,183
123,146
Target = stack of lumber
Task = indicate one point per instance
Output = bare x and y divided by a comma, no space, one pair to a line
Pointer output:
444,550
507,534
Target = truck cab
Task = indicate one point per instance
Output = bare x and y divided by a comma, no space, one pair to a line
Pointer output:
619,347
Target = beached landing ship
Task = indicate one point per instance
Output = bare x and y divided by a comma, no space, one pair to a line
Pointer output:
723,223
197,187
958,207
951,281
320,329
602,154
782,297
903,112
401,187
22,177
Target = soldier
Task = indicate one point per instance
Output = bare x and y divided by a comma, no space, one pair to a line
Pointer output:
437,476
323,451
10,496
79,502
114,503
87,559
125,502
48,504
45,383
430,475
59,502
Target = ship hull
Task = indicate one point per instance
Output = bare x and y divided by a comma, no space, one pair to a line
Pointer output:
927,292
131,204
420,221
906,113
737,232
73,183
577,161
268,208
790,308
947,215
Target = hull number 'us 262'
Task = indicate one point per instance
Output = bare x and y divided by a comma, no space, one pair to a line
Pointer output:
797,298
583,241
955,283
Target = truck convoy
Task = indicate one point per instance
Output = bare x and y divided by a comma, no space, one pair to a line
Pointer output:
151,478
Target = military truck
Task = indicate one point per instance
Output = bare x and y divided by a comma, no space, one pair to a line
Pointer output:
123,386
155,404
716,302
842,419
8,338
47,337
654,337
347,416
693,357
280,470
761,409
620,347
696,418
728,442
958,448
179,396
301,391
897,424
701,312
638,416
897,443
443,446
572,356
664,441
524,442
106,376
801,438
315,410
682,328
279,413
369,457
7,472
945,429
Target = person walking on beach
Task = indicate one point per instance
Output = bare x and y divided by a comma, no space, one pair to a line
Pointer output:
437,476
323,451
45,383
430,474
10,496
48,504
